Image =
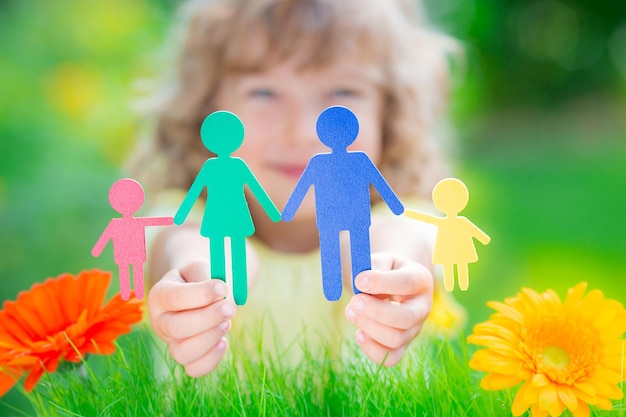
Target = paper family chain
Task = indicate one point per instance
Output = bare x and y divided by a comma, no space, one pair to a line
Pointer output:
341,180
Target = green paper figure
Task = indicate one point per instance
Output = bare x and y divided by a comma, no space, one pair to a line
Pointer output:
454,243
226,212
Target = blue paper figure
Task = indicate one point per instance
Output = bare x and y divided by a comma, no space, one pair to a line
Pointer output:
226,212
341,180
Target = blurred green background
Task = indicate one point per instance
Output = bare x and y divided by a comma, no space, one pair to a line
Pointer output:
538,112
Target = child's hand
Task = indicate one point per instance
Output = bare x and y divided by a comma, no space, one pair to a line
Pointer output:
188,310
398,301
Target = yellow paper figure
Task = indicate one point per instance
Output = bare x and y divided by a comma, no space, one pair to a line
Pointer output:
454,243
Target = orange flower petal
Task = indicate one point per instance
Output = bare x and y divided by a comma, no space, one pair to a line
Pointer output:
22,315
62,319
33,377
22,360
8,378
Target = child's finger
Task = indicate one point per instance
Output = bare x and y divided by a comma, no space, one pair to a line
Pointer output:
196,271
409,279
209,361
392,314
189,350
377,352
177,297
187,288
188,323
389,337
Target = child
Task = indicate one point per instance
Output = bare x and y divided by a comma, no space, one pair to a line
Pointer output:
278,64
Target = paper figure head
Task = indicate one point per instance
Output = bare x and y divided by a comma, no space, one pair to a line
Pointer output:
222,132
126,196
450,196
337,127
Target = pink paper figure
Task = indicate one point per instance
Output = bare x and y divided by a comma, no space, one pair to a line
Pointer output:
128,234
454,245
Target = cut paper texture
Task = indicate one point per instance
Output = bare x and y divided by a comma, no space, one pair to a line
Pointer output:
128,234
454,244
226,213
341,180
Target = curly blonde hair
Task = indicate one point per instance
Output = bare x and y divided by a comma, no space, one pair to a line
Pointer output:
216,40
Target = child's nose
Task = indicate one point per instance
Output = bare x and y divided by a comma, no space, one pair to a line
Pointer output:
300,123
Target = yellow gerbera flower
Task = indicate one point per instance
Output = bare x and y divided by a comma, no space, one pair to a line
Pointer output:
567,354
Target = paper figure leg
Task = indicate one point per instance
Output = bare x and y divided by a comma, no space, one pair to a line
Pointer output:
124,281
463,272
218,263
138,279
448,277
331,264
360,252
240,273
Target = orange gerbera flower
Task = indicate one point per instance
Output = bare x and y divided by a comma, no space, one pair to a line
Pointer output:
60,319
567,354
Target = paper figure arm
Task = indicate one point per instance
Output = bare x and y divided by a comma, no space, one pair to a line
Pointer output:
192,195
480,235
262,197
157,221
102,241
296,197
427,218
382,186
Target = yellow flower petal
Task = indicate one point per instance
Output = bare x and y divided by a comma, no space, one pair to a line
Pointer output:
539,380
605,319
520,406
536,411
592,302
566,354
587,393
603,403
508,311
548,395
617,393
575,295
568,397
497,382
582,410
604,374
497,363
491,329
532,394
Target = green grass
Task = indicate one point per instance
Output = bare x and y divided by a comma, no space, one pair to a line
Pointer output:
432,380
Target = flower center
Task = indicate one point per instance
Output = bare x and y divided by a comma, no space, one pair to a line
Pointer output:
561,346
555,357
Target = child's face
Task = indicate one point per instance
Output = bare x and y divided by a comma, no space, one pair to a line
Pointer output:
279,108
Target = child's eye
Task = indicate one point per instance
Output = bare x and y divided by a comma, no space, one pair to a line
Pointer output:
344,93
262,93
